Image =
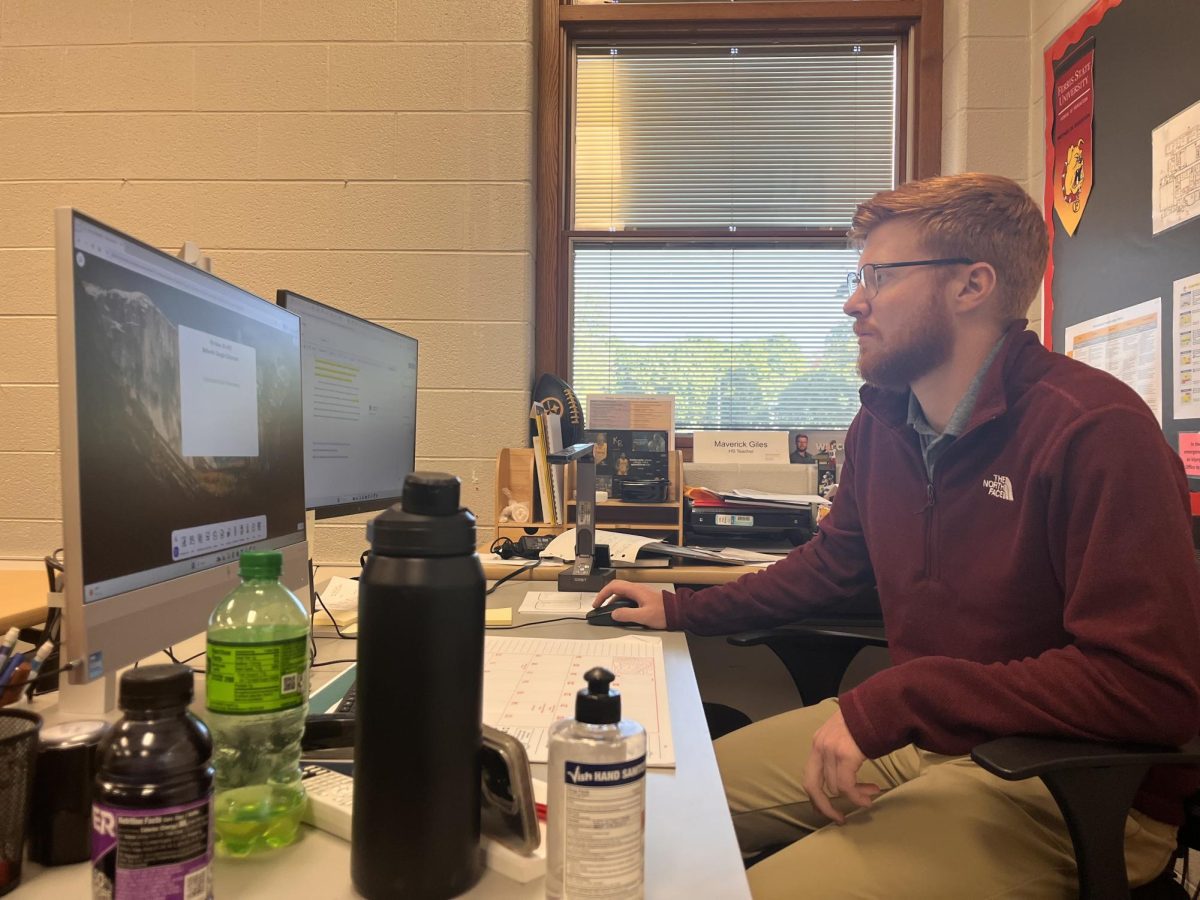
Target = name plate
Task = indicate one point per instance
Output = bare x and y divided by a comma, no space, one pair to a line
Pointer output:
740,447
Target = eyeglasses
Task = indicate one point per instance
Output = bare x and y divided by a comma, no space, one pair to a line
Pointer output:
868,275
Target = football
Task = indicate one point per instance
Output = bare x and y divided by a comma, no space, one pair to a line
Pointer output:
556,396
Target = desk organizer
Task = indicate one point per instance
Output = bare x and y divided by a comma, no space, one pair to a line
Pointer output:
515,471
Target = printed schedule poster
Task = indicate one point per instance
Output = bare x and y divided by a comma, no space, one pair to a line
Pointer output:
1126,343
1185,347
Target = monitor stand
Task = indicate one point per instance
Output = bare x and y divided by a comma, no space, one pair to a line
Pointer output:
97,699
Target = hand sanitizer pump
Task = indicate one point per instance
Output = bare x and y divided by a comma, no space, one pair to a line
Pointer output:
583,575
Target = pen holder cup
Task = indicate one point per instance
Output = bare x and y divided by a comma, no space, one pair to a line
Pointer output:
18,755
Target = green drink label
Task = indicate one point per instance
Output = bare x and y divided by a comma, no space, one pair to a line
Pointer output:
257,678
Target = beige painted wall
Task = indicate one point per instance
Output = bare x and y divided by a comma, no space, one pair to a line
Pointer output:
373,153
376,154
993,111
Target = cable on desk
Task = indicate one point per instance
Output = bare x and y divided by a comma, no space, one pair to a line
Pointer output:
513,574
331,662
527,624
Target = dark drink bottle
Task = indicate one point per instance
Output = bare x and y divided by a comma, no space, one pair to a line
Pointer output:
415,824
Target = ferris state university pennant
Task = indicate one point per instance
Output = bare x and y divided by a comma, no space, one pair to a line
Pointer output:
1074,103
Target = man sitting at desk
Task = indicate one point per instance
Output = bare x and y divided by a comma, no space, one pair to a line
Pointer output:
1026,525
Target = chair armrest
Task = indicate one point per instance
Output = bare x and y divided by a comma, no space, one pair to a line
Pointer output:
1015,758
865,630
817,652
1093,784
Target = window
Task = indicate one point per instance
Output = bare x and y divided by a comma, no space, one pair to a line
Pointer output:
711,160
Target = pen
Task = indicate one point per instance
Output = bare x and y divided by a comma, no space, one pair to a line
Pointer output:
6,646
38,659
7,674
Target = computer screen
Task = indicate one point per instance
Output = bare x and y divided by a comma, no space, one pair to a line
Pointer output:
360,409
182,441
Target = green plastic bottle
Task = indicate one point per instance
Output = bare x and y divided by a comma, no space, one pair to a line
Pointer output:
257,700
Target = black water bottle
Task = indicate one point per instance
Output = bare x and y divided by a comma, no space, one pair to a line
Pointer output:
415,830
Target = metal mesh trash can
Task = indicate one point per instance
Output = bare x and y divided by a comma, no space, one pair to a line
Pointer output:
18,756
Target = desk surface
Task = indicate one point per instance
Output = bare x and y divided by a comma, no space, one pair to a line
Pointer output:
690,846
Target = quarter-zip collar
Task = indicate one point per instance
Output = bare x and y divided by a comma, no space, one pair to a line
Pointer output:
891,407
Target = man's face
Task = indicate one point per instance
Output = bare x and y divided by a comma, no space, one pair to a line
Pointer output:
906,330
801,443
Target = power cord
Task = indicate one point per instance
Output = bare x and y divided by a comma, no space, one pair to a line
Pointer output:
344,637
313,616
332,662
511,575
529,624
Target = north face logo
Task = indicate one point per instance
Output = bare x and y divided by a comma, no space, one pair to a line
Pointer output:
999,486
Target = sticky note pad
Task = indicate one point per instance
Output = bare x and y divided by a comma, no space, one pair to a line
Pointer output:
502,615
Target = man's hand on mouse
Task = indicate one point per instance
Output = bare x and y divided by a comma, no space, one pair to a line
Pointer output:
650,610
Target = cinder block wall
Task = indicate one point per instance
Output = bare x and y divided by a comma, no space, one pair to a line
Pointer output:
986,123
374,154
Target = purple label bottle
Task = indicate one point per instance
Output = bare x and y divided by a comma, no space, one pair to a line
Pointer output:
152,813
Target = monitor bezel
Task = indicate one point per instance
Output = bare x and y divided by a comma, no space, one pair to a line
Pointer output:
335,510
115,631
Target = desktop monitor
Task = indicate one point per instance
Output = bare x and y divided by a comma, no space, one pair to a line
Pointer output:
360,409
182,443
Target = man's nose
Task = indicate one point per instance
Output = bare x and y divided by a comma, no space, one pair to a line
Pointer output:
856,304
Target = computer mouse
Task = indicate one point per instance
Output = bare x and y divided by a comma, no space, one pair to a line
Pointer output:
602,615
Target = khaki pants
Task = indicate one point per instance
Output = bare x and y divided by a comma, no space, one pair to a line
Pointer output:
943,828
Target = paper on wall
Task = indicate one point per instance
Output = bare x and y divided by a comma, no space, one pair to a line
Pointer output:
1126,343
1185,347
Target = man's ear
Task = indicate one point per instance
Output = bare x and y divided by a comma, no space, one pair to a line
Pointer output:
978,287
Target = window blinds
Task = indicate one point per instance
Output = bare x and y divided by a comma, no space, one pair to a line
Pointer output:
743,337
702,141
731,136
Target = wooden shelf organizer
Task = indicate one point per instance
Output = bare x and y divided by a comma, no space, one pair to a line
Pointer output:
515,471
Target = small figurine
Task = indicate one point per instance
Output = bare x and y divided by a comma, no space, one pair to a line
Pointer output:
516,511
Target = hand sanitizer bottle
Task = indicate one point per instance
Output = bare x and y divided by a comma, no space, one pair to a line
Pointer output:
597,798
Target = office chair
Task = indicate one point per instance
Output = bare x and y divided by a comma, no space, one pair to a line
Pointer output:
1093,783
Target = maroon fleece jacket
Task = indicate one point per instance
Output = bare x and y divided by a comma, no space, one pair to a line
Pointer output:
1044,583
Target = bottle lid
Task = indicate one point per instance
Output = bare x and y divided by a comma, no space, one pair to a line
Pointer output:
597,704
260,564
156,687
426,522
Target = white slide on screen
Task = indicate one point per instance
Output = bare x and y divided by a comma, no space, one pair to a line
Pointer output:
218,395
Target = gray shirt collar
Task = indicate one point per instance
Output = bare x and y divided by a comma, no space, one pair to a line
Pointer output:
934,442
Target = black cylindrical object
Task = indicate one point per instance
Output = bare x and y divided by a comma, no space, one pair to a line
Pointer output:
60,827
415,827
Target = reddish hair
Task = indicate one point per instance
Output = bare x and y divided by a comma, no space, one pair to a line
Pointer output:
987,218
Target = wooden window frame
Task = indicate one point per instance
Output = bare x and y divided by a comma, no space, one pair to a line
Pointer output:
917,24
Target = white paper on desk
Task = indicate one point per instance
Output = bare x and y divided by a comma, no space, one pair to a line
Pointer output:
340,597
530,683
622,548
752,558
767,497
557,603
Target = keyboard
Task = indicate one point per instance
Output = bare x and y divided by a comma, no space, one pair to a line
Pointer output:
346,705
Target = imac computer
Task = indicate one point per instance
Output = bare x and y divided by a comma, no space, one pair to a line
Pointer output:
360,409
182,445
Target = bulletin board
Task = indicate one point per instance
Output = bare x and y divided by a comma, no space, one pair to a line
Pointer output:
1141,59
